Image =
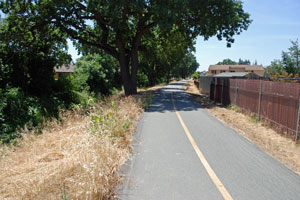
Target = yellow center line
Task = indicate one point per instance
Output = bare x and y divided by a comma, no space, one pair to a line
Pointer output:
203,160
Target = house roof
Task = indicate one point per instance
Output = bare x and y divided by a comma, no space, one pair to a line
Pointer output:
232,74
228,67
65,68
203,73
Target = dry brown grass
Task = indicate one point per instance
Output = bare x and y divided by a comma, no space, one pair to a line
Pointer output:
280,147
76,159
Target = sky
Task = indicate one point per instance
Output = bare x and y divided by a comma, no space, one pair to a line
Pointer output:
275,24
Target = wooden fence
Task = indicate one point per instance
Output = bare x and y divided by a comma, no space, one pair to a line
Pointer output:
275,102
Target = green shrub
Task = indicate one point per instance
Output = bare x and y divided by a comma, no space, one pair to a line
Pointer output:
63,91
196,76
15,111
28,92
143,80
96,73
18,109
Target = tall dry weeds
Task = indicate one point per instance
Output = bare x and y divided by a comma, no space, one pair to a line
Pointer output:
78,158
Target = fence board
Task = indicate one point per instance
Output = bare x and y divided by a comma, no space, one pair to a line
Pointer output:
280,104
248,91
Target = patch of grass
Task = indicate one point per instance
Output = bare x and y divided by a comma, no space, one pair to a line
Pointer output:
76,158
145,97
254,118
146,101
234,108
64,194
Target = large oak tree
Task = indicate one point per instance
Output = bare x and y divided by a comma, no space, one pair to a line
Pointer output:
117,26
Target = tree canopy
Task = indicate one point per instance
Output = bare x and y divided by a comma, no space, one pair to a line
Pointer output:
291,58
289,64
228,61
96,73
28,56
117,27
162,53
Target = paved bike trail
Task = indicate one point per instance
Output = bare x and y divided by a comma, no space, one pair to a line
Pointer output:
164,164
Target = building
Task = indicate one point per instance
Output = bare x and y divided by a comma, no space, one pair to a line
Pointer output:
64,70
217,69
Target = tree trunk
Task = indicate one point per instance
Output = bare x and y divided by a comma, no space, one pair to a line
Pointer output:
129,80
168,79
152,81
134,68
130,85
152,76
129,64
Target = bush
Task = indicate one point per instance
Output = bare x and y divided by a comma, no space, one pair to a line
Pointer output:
18,109
15,111
95,73
196,76
63,90
143,80
28,92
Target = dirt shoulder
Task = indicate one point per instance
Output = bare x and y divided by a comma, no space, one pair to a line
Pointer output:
280,147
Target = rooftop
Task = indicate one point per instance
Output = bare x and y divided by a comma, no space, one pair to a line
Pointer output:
65,68
234,74
228,67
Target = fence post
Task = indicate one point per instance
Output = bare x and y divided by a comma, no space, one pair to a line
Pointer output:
259,97
215,91
297,126
222,91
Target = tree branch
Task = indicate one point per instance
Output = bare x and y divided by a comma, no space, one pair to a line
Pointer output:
107,48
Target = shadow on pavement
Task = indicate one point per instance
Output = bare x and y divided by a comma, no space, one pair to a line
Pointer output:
184,101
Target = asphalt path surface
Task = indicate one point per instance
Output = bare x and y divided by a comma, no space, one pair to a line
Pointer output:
165,165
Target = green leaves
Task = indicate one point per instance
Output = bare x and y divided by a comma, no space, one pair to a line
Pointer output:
117,27
95,73
196,75
165,54
227,62
291,59
30,48
288,65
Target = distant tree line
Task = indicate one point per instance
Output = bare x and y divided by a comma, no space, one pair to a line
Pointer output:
228,61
